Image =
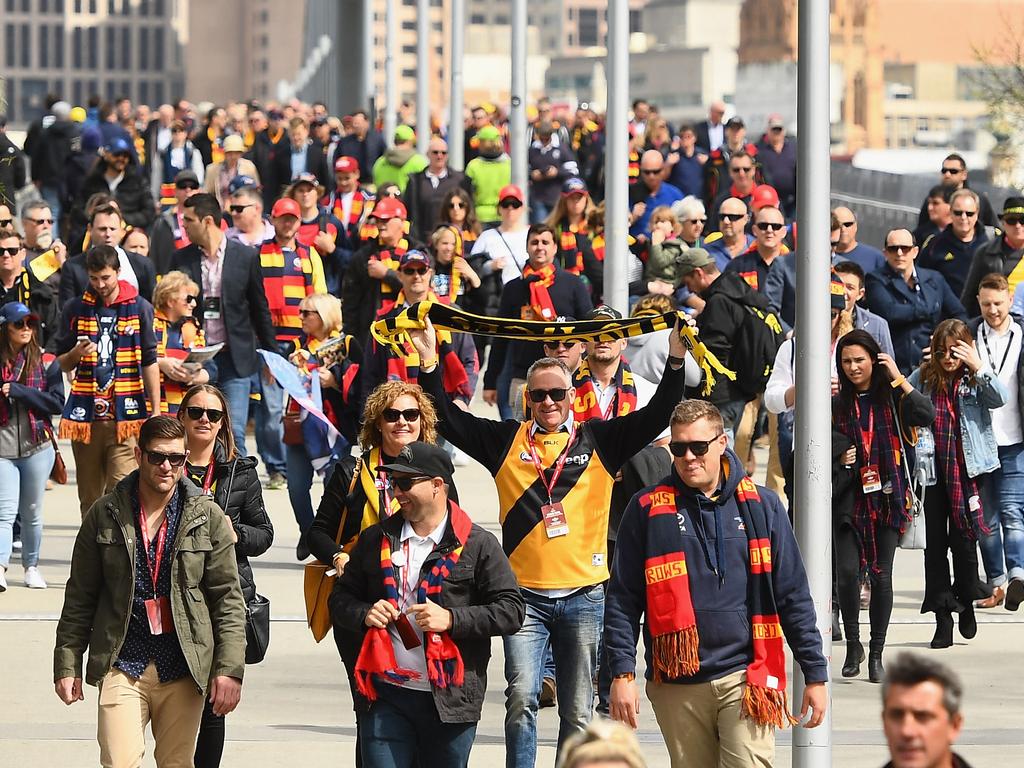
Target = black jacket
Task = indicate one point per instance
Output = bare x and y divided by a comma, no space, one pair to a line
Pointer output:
243,301
49,154
950,256
237,490
481,592
315,163
365,152
74,279
570,297
994,256
360,293
986,215
133,196
423,202
262,153
12,171
40,299
720,322
912,315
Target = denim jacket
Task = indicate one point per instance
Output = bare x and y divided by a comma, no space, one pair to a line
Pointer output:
975,404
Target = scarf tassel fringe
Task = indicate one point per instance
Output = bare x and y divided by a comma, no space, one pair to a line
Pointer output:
767,707
676,654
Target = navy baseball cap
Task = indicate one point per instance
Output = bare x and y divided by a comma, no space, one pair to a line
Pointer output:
14,311
415,256
241,182
422,459
118,146
574,186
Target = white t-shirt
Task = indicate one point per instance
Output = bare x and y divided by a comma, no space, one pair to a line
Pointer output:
510,246
1000,352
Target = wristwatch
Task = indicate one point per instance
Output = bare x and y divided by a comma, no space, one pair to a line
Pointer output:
627,676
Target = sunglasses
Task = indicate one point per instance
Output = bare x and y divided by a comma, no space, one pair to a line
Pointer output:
10,251
774,226
732,216
1012,221
968,214
39,222
557,394
120,156
186,185
456,204
406,483
696,447
847,224
650,171
6,222
951,171
696,221
196,413
157,459
742,168
25,322
439,151
560,344
308,312
510,204
942,354
899,247
411,271
391,415
190,299
239,208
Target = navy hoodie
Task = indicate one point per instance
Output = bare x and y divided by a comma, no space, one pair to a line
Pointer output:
950,256
719,602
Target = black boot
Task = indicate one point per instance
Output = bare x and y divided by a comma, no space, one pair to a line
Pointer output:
854,657
968,623
943,630
837,631
875,669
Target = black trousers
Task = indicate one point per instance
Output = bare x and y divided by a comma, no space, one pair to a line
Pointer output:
210,743
942,539
847,555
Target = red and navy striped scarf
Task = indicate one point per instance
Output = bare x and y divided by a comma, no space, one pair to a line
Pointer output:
444,662
878,508
672,622
587,404
285,286
951,465
127,391
33,378
569,253
334,203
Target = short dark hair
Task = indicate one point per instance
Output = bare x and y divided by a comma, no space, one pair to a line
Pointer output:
361,112
850,268
740,153
99,257
940,191
959,158
105,209
540,228
205,204
160,428
106,110
911,669
638,102
684,128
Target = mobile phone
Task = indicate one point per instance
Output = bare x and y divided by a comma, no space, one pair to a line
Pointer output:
83,338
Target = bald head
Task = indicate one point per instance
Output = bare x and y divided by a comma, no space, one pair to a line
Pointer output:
437,153
651,167
733,228
716,111
847,229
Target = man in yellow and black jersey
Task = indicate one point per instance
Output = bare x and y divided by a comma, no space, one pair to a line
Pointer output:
554,477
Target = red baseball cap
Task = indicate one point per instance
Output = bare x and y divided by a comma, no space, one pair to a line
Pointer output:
510,190
286,207
764,196
346,165
389,208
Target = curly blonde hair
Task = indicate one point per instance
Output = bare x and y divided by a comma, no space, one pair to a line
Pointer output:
169,285
383,397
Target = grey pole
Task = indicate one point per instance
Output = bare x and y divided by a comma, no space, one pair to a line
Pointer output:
616,159
812,432
368,87
517,113
390,79
422,78
456,128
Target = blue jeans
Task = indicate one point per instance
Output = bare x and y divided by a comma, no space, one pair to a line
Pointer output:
300,482
403,730
732,414
1002,551
22,484
236,391
572,625
539,211
270,426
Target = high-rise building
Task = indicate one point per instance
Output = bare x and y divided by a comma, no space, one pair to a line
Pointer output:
80,48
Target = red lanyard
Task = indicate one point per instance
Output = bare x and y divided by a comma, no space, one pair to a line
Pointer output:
208,478
610,410
385,509
867,437
559,465
161,541
403,574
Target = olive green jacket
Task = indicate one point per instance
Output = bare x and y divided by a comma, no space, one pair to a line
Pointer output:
206,598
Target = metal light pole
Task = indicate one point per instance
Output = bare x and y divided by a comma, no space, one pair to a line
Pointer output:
517,113
390,80
456,126
616,159
422,81
368,97
812,432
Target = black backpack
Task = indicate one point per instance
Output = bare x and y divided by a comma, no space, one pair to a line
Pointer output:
753,353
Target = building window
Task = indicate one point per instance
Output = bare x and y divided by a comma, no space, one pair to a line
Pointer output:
93,47
409,24
78,6
143,7
477,18
44,6
76,47
144,49
58,6
158,94
9,45
144,92
9,6
77,92
44,46
409,49
126,48
408,73
92,7
158,49
58,45
158,8
588,27
111,47
26,46
635,18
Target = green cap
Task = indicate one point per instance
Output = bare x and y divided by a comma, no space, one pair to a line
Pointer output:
488,133
404,133
691,259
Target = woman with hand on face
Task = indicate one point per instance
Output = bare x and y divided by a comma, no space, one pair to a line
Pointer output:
453,277
396,413
30,394
875,403
177,331
215,466
457,209
964,391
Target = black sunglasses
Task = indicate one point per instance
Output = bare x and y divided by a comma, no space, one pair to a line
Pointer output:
196,413
968,214
157,459
186,185
650,171
25,322
510,204
696,447
847,224
560,343
391,415
732,216
1012,221
239,208
6,222
37,222
950,171
439,151
895,248
764,226
10,251
190,299
413,271
695,221
742,168
557,394
406,482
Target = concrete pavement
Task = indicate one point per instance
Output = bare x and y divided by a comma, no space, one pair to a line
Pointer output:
296,707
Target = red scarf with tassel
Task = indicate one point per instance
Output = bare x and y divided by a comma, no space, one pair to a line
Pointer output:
671,619
444,661
539,281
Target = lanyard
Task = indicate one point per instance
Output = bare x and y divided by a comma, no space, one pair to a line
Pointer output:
610,410
208,478
403,574
867,437
161,541
559,464
988,350
385,483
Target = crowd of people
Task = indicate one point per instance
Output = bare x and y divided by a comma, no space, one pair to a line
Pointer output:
180,272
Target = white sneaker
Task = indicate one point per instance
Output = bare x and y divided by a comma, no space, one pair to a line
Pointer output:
16,545
34,579
3,579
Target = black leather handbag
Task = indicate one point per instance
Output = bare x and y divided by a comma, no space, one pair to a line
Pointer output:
257,629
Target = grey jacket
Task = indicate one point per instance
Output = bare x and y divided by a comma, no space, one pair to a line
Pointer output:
876,325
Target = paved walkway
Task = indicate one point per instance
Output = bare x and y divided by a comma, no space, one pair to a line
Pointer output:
296,707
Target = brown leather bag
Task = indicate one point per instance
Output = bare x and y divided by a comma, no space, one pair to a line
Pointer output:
59,473
292,420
